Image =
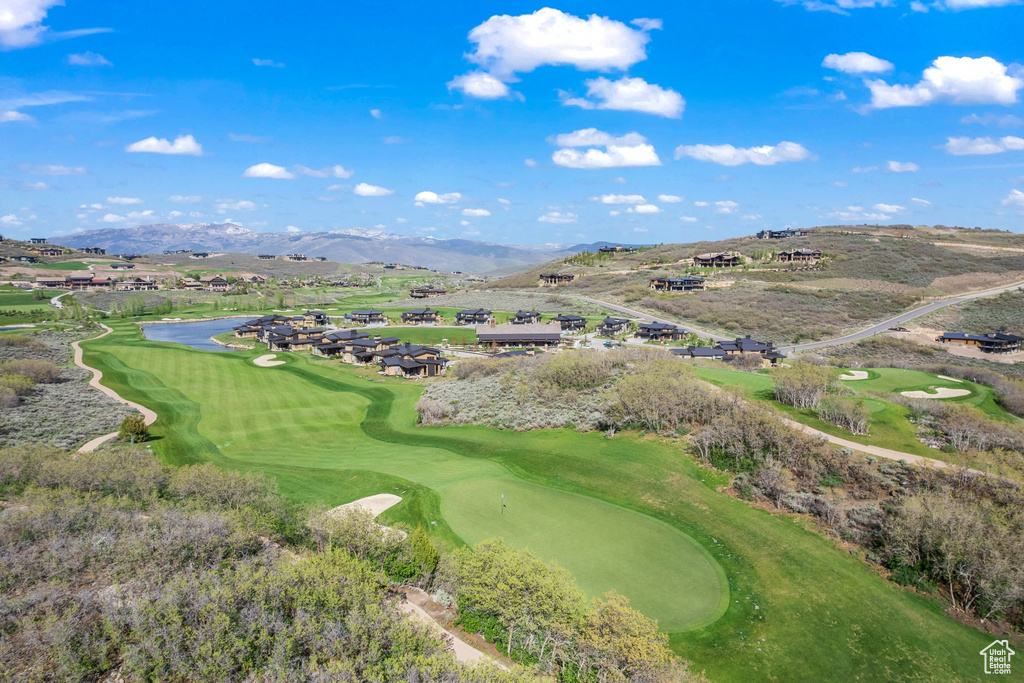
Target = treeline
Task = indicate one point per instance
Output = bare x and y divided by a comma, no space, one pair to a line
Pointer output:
112,564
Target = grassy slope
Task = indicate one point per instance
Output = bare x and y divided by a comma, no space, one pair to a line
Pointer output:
799,609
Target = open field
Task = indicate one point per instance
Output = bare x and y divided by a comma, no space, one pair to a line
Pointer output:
981,316
630,512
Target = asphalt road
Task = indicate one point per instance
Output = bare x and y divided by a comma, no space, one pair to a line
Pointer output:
862,334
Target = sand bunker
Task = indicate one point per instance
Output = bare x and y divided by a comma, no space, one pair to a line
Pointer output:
940,392
375,504
951,379
853,375
268,361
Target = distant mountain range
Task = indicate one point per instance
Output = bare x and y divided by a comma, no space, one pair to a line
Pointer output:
357,245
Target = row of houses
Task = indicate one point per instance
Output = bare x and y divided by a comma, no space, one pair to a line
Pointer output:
426,291
556,278
780,234
355,347
678,284
731,349
82,282
995,342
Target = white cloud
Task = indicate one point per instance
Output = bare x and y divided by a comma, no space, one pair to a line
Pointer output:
619,199
21,23
688,219
976,4
479,84
183,144
35,186
266,170
476,213
701,204
857,63
629,94
175,214
1003,121
529,163
48,169
267,62
1015,198
124,201
292,228
965,146
922,202
42,99
647,24
88,59
139,215
10,219
401,220
727,155
336,171
614,213
376,113
889,208
393,140
903,167
506,45
367,190
185,199
669,198
957,80
428,197
644,208
863,169
592,137
112,218
503,201
726,207
558,217
614,156
639,229
9,115
225,205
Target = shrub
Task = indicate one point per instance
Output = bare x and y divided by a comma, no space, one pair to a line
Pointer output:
40,371
847,413
8,397
134,429
802,385
18,341
19,384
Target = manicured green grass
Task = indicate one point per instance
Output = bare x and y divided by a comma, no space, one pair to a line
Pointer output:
63,265
797,607
431,335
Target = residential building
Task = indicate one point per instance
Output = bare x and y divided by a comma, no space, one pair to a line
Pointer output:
426,291
26,259
295,257
570,323
995,342
51,252
409,360
96,251
721,259
52,282
37,240
418,316
616,250
526,318
519,335
199,254
266,257
314,318
715,353
556,278
122,266
473,317
659,332
368,316
136,284
678,284
800,256
610,327
780,234
214,283
745,345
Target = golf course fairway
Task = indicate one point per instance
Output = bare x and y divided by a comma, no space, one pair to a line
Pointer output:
745,594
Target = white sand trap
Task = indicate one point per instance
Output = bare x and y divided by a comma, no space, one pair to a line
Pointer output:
940,392
375,504
951,379
854,375
267,361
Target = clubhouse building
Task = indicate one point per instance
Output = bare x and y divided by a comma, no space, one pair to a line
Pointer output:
995,342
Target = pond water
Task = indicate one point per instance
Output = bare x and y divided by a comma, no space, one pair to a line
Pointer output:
197,334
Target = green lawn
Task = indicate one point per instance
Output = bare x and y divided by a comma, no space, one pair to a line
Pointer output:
633,513
63,265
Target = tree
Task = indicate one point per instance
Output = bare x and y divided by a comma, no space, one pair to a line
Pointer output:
134,429
424,553
802,385
519,589
620,643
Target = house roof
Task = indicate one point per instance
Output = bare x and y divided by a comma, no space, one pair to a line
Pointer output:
367,311
615,321
660,327
474,312
421,311
745,344
699,352
527,314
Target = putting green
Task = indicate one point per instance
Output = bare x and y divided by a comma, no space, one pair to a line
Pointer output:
325,419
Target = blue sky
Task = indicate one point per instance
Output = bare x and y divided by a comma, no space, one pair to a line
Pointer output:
511,122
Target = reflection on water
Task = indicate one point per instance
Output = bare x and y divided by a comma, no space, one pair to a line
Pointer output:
197,335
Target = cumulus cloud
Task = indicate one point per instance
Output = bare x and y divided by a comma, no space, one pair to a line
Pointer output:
903,167
479,84
889,208
428,197
266,170
183,144
669,198
292,228
35,186
968,146
367,190
11,219
701,204
506,45
558,217
185,199
1015,198
688,219
112,218
336,171
267,62
21,24
529,163
9,115
225,205
476,213
124,201
51,169
88,59
644,208
857,63
956,80
592,137
727,155
376,113
628,94
863,169
503,201
620,199
726,207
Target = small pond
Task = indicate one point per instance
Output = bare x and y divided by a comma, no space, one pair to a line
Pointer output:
194,334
